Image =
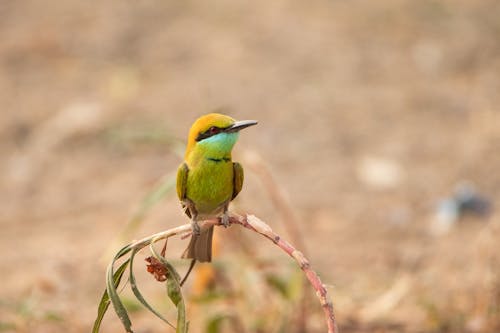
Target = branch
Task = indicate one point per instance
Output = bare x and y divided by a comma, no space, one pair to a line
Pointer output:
255,224
249,222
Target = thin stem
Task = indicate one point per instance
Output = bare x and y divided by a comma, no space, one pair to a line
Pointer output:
164,249
251,222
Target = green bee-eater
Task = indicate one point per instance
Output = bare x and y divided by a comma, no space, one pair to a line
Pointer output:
208,179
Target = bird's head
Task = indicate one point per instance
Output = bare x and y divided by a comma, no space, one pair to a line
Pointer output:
215,133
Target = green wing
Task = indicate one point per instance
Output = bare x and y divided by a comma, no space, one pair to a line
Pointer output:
182,174
237,179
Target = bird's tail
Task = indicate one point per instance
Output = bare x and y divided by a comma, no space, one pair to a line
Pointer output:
200,246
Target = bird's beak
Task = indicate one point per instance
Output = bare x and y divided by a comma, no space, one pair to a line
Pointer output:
239,125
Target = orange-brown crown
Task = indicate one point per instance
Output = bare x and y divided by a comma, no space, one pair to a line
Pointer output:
203,124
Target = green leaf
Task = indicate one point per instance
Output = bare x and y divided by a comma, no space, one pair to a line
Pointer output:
104,303
113,293
173,290
214,325
138,294
278,283
290,288
296,284
131,304
123,251
182,324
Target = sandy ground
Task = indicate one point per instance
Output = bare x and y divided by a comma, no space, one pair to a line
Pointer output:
369,113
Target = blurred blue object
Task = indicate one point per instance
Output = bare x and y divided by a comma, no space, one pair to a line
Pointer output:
469,201
465,201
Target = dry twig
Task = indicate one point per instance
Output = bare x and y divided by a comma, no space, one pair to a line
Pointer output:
249,222
253,223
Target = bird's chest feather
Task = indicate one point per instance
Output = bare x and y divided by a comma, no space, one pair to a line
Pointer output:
210,184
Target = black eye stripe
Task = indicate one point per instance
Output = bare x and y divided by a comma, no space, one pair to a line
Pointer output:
209,132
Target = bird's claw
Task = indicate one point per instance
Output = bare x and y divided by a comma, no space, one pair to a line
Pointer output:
196,228
225,220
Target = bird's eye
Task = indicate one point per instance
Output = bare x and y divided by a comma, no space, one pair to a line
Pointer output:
213,130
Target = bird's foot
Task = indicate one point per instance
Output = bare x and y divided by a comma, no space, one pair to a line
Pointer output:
196,228
225,220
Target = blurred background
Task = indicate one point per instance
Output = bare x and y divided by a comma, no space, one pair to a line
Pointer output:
378,121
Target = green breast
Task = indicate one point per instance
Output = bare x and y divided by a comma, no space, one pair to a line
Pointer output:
210,184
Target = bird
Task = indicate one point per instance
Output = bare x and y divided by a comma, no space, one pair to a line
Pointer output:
208,179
